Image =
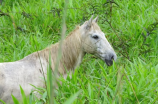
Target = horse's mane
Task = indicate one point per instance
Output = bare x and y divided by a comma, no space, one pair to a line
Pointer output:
70,52
72,32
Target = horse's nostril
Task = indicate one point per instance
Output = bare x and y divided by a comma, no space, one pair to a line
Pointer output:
112,57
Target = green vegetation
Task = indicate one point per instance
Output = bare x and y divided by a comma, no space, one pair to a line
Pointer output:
131,26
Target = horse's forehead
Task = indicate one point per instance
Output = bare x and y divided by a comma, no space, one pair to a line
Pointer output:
96,27
96,30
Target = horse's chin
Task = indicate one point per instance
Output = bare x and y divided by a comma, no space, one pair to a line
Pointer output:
108,62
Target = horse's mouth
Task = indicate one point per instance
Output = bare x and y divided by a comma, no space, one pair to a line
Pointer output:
108,62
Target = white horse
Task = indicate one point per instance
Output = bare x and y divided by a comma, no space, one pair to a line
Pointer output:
87,38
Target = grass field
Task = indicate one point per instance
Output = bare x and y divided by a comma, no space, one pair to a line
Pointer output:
131,26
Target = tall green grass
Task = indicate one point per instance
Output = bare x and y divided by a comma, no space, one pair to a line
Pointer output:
130,26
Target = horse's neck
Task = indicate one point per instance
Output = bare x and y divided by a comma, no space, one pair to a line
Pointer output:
72,54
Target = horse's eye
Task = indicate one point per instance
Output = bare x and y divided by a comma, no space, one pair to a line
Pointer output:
95,37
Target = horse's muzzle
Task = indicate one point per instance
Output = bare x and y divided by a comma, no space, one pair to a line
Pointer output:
108,62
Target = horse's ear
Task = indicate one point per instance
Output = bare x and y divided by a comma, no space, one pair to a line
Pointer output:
89,23
96,19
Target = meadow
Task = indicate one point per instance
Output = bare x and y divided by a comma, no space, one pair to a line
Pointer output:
131,26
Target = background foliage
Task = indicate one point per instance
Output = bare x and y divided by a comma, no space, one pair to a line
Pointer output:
130,26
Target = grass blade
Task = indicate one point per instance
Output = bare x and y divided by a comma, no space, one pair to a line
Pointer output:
23,96
73,97
15,100
2,101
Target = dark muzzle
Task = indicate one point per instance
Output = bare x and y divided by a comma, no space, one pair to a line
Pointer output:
110,59
108,62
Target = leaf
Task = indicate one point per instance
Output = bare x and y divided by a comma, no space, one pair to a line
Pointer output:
70,3
2,101
31,98
44,96
15,100
23,96
89,89
73,97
